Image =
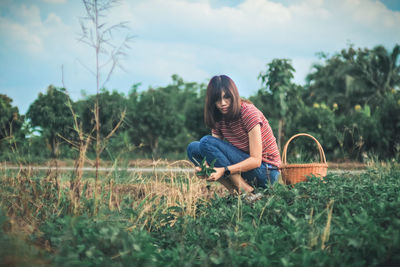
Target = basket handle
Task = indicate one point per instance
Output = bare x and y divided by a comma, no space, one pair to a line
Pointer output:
321,151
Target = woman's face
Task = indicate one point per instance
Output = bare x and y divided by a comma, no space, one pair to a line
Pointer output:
223,103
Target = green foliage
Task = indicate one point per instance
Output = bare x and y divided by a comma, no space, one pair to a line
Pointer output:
156,117
51,113
277,81
11,132
319,121
278,86
359,133
206,170
112,105
350,104
188,100
194,110
342,220
10,119
289,226
34,149
83,241
359,76
388,118
14,251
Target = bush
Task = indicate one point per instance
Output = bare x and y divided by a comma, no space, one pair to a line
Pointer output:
319,121
86,241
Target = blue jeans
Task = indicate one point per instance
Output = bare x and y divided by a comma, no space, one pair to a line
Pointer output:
227,154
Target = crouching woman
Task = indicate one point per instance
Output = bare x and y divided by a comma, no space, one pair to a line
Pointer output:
242,141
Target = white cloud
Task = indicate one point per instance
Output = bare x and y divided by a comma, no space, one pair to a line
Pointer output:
374,14
246,37
308,26
261,22
196,41
25,32
20,32
251,25
163,60
19,37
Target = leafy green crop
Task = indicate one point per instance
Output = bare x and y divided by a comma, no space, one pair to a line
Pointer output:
206,170
342,220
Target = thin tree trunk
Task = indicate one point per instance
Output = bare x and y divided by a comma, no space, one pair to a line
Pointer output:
97,138
97,95
280,133
154,148
97,99
54,147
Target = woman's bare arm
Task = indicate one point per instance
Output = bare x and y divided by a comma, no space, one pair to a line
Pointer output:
255,159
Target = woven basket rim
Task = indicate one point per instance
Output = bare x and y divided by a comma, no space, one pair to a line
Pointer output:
303,165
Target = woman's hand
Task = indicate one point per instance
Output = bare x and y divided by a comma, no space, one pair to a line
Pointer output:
197,169
219,172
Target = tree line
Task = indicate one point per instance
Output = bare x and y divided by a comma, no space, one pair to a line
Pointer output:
350,103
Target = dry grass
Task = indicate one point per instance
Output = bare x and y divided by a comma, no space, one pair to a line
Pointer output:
149,194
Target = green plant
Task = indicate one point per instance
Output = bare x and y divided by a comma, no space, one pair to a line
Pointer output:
345,219
205,169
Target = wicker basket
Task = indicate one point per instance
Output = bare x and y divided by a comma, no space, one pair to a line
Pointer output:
294,173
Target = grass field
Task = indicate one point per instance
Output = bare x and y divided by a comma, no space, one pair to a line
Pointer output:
178,220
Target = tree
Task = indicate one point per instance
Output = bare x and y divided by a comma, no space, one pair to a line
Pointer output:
354,77
155,117
388,116
190,97
113,105
132,115
10,122
361,85
378,71
51,113
194,114
277,82
328,83
183,112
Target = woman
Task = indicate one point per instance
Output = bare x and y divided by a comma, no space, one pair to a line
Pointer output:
242,141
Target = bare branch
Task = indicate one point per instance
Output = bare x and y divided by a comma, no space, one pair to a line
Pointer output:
89,6
110,71
87,68
114,130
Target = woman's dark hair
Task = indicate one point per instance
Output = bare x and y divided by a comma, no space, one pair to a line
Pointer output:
216,86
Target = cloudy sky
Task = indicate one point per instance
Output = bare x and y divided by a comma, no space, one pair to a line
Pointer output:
195,39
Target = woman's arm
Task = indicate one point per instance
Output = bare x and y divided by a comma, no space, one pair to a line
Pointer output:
254,161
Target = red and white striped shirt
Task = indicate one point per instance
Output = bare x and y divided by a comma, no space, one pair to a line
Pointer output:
237,133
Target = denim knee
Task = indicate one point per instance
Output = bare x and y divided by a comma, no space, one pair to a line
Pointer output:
192,148
206,142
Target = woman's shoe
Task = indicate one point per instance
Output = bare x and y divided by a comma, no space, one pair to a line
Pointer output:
251,197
